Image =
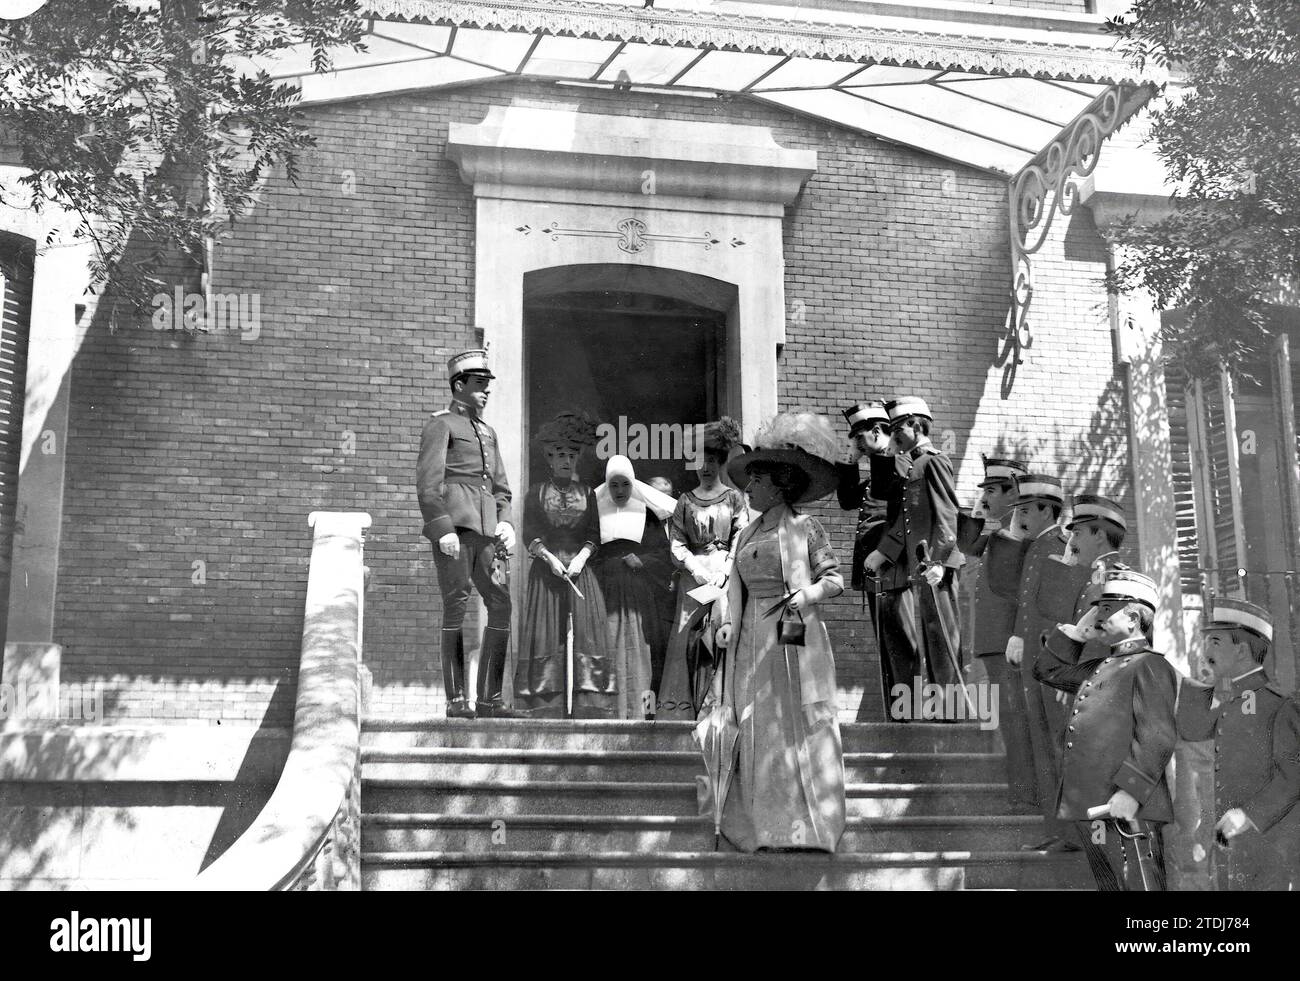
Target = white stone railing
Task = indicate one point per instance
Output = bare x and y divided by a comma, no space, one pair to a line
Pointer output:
308,834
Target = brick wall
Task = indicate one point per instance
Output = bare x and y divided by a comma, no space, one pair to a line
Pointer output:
194,460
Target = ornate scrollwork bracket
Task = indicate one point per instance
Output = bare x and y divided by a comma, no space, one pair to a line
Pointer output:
1047,186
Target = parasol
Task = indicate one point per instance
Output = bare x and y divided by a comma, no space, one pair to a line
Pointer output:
716,734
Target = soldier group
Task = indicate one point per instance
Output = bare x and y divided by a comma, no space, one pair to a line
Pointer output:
1089,713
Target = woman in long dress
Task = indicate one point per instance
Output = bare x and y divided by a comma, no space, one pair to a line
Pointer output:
561,528
703,528
631,564
787,789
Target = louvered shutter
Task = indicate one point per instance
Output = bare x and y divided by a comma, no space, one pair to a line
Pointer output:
15,319
1180,454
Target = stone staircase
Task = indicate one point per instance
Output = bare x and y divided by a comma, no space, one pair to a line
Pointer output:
515,804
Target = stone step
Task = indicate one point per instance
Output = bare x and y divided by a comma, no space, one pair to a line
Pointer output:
857,737
591,797
433,870
578,834
481,763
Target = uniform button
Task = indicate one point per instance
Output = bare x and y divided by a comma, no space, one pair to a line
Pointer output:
1087,684
1076,711
1069,728
1069,745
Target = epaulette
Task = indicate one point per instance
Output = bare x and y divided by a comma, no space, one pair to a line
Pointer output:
440,412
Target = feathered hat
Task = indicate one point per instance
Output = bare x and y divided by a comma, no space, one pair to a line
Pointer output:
721,436
572,427
799,439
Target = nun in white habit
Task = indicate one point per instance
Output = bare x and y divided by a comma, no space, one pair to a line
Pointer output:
632,563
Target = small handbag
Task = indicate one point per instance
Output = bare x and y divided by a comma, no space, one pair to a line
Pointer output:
790,628
790,631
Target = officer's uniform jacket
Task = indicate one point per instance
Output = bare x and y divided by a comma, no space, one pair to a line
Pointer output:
460,478
1046,593
877,499
996,591
927,512
1256,732
1120,733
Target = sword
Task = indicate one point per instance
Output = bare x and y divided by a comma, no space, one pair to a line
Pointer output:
949,628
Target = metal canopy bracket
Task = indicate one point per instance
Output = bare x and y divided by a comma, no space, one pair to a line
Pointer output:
1050,185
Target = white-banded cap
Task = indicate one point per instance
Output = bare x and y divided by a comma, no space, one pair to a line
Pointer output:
864,415
1230,614
1002,471
1094,507
471,362
909,405
1040,487
1128,586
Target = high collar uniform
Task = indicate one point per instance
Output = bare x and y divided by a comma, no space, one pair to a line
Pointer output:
1256,733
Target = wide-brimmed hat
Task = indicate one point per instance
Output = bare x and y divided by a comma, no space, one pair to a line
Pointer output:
572,427
798,439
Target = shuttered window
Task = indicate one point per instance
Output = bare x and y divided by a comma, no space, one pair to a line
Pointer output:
16,264
1189,549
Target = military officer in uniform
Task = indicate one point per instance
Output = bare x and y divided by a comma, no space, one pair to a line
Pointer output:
465,500
1046,594
877,500
1120,734
1256,732
996,561
918,601
1096,531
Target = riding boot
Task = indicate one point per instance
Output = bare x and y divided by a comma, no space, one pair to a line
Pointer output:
491,673
453,675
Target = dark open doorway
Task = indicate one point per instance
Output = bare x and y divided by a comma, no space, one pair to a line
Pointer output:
631,359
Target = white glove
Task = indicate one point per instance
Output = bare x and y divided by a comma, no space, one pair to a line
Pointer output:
505,534
1234,822
723,636
449,544
1015,650
1123,805
875,560
934,574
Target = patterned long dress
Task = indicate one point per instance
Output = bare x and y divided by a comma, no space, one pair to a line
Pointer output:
701,534
564,519
787,790
635,627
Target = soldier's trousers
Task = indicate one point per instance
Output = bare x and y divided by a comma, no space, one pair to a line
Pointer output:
1013,724
1113,857
919,631
473,568
1046,720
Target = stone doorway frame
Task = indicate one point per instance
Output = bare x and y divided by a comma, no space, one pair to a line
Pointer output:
555,187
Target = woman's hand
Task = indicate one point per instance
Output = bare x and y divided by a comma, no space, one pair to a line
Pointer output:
633,561
554,564
700,576
719,580
723,636
799,601
579,563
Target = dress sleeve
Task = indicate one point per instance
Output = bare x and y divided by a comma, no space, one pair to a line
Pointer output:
823,564
535,525
677,547
591,523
